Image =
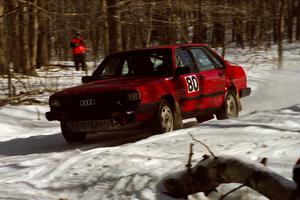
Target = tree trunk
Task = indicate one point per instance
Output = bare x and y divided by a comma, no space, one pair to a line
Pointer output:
240,34
42,48
94,35
275,21
104,25
126,38
298,21
290,20
33,36
280,30
62,32
12,27
174,19
150,25
24,38
3,67
198,31
114,26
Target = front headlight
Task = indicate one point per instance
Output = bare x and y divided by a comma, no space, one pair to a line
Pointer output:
133,96
54,103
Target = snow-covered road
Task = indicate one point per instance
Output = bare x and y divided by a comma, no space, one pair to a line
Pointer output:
36,162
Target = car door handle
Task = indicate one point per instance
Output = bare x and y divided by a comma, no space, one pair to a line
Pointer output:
220,74
200,77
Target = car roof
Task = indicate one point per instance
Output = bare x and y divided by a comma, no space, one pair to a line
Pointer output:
174,46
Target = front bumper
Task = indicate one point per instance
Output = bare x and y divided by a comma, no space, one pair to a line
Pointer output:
245,92
93,126
113,121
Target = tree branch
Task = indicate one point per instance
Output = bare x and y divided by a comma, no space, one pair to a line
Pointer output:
9,12
189,164
207,147
40,8
231,191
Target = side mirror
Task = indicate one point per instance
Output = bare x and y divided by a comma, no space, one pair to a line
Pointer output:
87,79
182,70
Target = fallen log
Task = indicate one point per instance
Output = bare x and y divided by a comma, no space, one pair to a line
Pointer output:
210,172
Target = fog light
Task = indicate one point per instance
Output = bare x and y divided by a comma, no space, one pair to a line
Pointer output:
133,96
55,103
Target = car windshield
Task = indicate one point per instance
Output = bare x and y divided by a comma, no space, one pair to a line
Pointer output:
154,62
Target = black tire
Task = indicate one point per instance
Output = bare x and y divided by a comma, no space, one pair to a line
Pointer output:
230,107
71,136
163,120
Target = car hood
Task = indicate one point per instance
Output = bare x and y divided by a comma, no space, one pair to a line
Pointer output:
107,85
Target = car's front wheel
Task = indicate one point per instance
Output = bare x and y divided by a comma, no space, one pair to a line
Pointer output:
71,136
163,120
230,107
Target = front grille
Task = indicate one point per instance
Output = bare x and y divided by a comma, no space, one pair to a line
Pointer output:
93,125
105,105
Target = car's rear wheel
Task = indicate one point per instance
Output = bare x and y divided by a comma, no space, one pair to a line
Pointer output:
230,107
163,120
72,136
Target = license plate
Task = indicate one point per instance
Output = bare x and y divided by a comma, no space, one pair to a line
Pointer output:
94,125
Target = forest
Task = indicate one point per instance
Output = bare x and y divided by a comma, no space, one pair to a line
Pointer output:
258,150
35,32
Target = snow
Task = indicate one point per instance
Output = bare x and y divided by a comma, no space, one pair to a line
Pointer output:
36,162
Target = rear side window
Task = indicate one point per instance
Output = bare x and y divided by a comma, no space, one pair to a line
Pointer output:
218,61
203,61
125,68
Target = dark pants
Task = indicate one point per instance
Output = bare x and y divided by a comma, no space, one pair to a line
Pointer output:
79,60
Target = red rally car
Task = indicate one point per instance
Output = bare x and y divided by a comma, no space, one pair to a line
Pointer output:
155,87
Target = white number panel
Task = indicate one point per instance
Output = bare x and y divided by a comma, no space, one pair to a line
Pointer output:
192,83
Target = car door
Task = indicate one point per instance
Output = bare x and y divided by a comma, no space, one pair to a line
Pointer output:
211,76
189,87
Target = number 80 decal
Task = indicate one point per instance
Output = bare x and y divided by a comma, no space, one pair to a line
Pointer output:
192,83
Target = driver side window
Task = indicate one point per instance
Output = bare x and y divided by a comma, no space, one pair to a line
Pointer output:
183,59
112,67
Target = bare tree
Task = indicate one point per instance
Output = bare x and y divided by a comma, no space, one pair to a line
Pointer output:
36,31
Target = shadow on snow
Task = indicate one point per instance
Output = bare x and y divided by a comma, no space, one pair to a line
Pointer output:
56,143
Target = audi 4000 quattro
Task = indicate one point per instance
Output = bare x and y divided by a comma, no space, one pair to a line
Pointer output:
155,87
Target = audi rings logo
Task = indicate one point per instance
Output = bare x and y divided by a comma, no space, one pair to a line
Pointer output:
87,102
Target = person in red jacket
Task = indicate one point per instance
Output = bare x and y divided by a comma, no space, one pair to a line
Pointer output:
78,50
